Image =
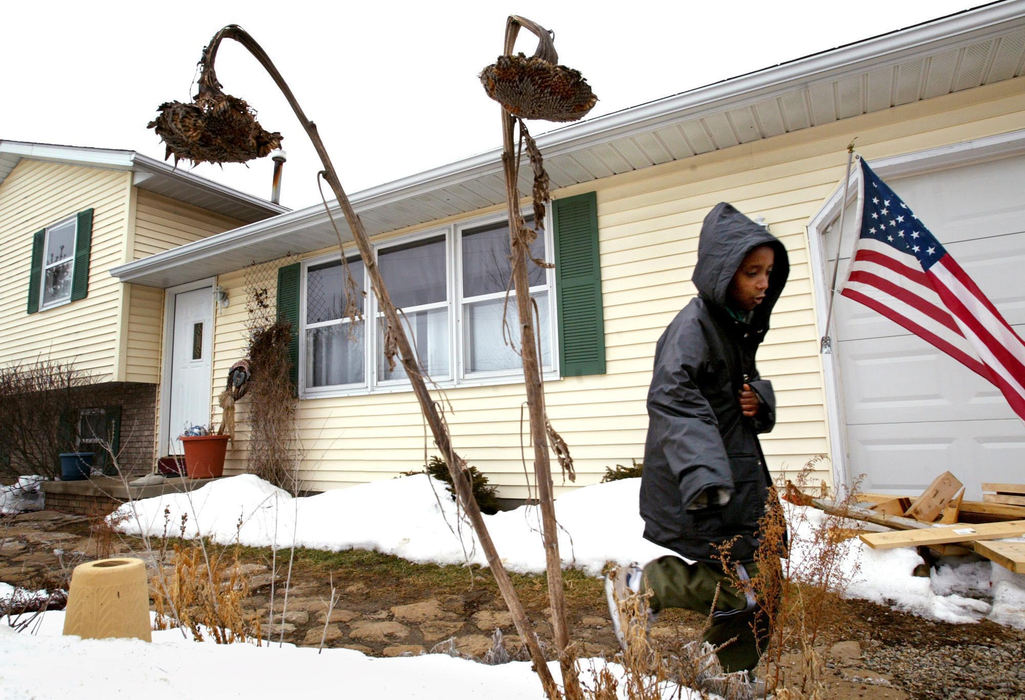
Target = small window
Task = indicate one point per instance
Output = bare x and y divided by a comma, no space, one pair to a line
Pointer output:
92,428
58,263
197,341
59,267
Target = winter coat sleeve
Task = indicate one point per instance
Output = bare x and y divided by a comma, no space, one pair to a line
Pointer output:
765,419
681,419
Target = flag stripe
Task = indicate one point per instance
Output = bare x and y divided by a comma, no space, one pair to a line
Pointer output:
889,260
923,306
909,325
973,311
990,349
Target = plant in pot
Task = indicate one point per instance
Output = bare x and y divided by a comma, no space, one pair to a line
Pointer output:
204,452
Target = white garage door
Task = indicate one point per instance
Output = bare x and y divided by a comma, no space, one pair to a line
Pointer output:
912,412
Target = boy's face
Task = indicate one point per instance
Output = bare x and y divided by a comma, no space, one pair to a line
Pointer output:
751,280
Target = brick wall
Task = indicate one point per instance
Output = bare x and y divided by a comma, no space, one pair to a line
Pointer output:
92,505
138,403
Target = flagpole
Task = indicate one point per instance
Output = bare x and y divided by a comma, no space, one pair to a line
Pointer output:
826,344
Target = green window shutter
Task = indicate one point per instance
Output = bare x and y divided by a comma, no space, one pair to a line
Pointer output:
36,270
83,243
289,282
578,286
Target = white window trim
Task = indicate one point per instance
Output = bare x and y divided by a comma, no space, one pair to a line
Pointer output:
942,158
43,304
458,377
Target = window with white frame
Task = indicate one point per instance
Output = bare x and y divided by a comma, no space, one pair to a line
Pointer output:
334,342
58,263
450,286
485,279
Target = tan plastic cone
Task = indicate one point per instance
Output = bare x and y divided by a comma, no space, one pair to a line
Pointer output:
109,598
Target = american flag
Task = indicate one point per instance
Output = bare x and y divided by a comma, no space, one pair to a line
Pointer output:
902,271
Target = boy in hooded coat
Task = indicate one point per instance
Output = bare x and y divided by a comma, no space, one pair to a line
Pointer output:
705,483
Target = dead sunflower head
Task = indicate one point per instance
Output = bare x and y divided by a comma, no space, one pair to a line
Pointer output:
533,88
214,127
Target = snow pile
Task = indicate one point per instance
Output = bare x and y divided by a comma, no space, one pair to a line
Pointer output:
23,496
415,518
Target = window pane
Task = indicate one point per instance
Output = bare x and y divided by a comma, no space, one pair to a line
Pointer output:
325,290
60,243
415,273
57,283
428,332
332,357
486,259
486,350
197,341
92,425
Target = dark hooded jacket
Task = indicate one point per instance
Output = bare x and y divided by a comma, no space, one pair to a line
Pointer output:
698,437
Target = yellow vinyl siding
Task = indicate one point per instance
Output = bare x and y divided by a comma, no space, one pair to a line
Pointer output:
648,227
162,223
143,332
37,194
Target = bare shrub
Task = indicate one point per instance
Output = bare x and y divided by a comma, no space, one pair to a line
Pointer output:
37,420
272,406
797,594
204,593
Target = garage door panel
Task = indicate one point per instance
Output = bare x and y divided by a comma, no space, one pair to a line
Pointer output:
905,379
996,265
895,460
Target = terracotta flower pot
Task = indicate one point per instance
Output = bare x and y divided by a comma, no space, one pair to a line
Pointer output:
204,455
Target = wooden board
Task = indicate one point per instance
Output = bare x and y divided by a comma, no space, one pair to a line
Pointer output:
979,511
927,507
1004,488
1010,555
944,535
894,506
1006,499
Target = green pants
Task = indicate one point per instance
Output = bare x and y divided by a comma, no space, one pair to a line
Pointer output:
673,583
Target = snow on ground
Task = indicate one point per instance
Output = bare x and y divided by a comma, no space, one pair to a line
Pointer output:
414,518
45,664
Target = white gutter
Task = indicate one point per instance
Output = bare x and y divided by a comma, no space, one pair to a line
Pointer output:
153,166
100,157
118,159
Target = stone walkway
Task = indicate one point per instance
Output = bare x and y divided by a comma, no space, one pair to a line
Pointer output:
40,550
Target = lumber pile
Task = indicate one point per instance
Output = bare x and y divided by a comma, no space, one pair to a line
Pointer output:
941,520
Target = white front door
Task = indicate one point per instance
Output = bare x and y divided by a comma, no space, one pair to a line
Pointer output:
191,351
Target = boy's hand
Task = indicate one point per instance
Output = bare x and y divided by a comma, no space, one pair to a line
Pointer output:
748,401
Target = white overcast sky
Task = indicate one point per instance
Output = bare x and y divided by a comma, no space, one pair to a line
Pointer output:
392,85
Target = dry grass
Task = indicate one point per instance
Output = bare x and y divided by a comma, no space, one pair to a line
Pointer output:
204,592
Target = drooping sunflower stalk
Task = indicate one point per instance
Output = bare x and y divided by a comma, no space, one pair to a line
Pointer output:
537,88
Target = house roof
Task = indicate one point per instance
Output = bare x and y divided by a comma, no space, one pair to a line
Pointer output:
147,174
969,49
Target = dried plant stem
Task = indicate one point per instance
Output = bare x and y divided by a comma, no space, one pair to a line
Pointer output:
408,358
520,250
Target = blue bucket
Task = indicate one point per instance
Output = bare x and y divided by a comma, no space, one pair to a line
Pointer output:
76,466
